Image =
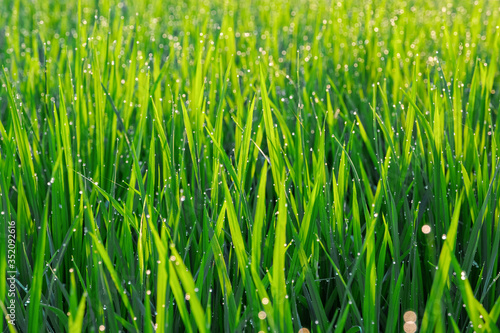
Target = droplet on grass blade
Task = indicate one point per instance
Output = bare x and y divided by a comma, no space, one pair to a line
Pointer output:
410,316
410,327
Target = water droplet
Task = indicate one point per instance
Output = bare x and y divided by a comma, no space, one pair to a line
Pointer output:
426,229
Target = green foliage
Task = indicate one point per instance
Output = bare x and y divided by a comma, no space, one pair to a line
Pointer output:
250,165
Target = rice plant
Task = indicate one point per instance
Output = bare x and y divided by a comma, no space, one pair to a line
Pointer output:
258,166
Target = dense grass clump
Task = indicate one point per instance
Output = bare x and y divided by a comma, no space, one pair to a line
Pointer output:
250,165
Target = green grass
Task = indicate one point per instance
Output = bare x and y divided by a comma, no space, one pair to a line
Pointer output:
251,165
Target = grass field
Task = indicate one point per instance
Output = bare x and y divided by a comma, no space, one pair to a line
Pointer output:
276,166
